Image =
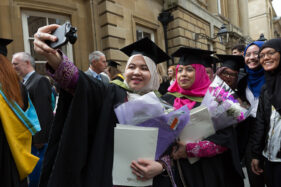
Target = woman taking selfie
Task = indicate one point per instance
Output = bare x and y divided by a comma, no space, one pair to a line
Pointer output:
81,141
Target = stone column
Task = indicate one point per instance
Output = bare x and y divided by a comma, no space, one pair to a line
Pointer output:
233,12
5,25
5,19
213,6
244,18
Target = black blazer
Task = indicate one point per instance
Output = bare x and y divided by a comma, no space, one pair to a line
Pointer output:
40,91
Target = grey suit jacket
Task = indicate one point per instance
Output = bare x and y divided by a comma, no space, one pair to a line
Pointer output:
104,79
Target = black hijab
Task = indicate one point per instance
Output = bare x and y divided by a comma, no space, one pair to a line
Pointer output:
273,78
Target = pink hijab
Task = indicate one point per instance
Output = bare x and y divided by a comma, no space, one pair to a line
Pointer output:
198,88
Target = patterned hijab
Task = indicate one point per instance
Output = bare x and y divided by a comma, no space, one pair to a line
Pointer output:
198,88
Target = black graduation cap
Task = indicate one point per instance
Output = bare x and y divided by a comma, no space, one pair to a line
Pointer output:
190,55
147,48
112,63
234,62
3,45
210,60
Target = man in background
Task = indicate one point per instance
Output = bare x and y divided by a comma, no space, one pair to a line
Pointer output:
98,64
238,49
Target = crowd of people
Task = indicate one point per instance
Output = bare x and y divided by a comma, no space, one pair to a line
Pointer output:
73,145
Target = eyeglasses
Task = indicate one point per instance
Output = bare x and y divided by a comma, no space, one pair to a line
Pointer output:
268,54
255,53
228,75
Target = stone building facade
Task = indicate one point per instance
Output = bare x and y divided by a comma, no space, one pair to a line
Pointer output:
108,25
105,25
277,27
263,19
206,17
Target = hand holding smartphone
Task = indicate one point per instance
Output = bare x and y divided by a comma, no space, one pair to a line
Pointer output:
65,33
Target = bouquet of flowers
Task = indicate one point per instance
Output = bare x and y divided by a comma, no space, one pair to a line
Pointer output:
139,110
224,105
149,111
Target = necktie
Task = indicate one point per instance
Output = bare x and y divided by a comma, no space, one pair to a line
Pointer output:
98,77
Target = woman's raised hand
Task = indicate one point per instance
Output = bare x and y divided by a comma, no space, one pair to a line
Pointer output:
43,34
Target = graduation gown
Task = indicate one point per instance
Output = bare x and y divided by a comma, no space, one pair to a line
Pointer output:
80,148
9,175
222,170
164,86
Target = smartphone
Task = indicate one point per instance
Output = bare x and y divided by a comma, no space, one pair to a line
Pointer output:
64,33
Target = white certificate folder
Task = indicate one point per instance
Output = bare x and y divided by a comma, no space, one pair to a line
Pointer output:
200,126
132,143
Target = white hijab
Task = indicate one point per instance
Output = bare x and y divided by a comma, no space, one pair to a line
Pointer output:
153,83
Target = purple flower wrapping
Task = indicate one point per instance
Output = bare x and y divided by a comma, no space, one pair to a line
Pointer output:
139,110
166,134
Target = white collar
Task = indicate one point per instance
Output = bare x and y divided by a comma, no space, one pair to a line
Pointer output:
26,77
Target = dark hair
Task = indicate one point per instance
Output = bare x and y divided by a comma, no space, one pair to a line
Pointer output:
239,47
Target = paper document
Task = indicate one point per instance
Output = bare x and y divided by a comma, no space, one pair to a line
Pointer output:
200,126
132,143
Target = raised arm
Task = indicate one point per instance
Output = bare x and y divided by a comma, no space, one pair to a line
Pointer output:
58,65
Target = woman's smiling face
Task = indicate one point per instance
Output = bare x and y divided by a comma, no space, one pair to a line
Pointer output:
229,76
252,57
269,59
137,74
186,76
